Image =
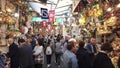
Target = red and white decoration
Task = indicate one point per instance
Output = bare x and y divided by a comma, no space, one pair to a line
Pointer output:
51,15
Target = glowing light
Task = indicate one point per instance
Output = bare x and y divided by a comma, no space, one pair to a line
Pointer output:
9,10
109,9
118,6
16,15
0,19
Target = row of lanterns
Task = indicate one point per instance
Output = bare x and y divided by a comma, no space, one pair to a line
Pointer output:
45,24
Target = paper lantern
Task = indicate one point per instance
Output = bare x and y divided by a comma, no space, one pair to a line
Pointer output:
44,23
49,27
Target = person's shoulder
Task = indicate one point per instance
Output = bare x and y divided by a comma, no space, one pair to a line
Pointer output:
88,44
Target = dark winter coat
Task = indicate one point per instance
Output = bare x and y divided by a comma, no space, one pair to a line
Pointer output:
83,58
13,54
102,61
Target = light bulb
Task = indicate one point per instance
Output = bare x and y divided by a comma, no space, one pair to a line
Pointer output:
118,6
109,9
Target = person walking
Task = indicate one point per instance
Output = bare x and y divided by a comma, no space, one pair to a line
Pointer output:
68,59
13,53
38,53
25,54
92,49
102,59
49,53
83,56
58,51
2,59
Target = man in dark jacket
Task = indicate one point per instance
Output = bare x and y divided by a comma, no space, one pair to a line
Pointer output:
25,57
83,56
92,49
13,53
102,60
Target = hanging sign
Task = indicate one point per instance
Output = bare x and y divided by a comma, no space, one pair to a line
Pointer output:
44,13
51,15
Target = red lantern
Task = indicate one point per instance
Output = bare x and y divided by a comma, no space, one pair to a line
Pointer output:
44,23
49,27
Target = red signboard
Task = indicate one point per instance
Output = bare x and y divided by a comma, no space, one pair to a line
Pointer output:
51,15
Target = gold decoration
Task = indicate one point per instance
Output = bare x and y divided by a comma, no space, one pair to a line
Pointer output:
103,30
95,11
83,19
9,20
111,21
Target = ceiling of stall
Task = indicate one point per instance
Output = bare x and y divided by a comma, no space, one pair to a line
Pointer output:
61,7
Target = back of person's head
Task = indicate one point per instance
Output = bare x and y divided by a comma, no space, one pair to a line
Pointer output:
81,44
70,45
58,39
49,41
39,42
106,47
21,40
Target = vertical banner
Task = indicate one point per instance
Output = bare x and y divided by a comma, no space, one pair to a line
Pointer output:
44,12
51,15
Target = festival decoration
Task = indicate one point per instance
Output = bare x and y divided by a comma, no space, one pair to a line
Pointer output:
103,29
9,20
49,27
111,21
83,19
44,23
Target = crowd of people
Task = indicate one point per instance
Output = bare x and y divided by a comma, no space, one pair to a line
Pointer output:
30,51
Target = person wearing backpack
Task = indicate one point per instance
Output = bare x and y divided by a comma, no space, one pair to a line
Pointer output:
38,53
48,53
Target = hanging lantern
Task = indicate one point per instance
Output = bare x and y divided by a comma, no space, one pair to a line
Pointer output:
44,23
49,27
